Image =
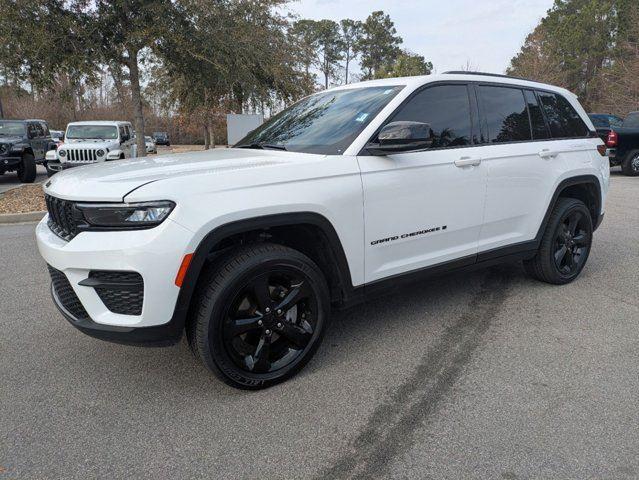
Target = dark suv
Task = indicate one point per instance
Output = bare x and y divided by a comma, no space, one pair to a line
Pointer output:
23,144
161,138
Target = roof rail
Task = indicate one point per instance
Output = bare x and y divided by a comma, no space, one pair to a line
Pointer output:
462,72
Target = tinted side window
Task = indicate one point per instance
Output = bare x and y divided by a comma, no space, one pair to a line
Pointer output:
600,121
446,108
32,131
45,129
122,132
506,114
539,129
563,120
632,120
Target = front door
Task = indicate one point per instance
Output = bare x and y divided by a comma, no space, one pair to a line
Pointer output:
426,208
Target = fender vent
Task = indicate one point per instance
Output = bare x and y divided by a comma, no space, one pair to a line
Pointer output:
121,292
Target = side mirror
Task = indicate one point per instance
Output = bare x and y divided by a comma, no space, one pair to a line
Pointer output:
397,137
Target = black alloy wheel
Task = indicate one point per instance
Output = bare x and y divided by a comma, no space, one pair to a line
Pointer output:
565,244
270,321
260,314
572,243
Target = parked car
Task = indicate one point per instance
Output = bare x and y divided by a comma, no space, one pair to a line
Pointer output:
347,193
622,138
92,142
150,145
23,145
161,138
57,136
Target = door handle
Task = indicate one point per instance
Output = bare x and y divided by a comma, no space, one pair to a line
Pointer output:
548,154
468,162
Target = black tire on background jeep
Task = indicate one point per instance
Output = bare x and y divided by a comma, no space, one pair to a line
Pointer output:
27,169
630,166
259,315
565,244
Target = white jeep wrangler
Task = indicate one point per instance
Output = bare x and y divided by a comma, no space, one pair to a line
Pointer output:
91,142
347,192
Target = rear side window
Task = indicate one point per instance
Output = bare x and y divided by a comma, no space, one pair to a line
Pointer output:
446,108
505,113
632,120
539,129
32,130
563,120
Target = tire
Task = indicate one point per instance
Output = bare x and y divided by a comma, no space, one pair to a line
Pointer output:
268,344
27,169
630,166
565,245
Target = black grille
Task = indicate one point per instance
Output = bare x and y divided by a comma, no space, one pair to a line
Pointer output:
66,295
63,217
121,292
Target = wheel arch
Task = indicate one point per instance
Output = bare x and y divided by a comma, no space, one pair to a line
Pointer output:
308,232
586,188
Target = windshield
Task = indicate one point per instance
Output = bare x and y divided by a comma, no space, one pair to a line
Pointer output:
325,123
11,128
103,132
148,139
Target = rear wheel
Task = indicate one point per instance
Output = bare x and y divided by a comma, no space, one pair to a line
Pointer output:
630,166
565,245
260,316
27,169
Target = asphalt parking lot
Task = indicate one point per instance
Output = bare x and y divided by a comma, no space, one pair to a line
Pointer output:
477,375
10,179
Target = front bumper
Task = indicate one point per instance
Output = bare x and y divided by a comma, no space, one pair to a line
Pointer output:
155,254
9,162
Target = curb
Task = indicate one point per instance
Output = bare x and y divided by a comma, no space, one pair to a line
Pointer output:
9,218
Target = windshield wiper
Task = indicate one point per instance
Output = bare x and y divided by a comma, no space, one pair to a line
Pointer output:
263,146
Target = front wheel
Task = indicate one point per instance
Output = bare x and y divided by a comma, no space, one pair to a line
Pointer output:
260,316
565,245
27,169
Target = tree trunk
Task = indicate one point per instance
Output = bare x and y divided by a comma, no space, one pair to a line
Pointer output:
325,71
211,133
1,109
206,137
136,98
348,59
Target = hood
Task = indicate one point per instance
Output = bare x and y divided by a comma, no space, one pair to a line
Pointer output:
112,181
89,143
11,139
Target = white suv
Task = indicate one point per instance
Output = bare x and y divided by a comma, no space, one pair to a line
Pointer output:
349,191
92,142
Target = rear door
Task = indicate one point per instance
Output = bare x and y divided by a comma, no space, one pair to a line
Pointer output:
425,208
530,142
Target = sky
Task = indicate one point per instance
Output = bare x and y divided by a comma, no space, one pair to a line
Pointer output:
449,33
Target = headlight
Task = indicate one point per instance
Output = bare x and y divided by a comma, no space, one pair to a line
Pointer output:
125,215
62,153
100,153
